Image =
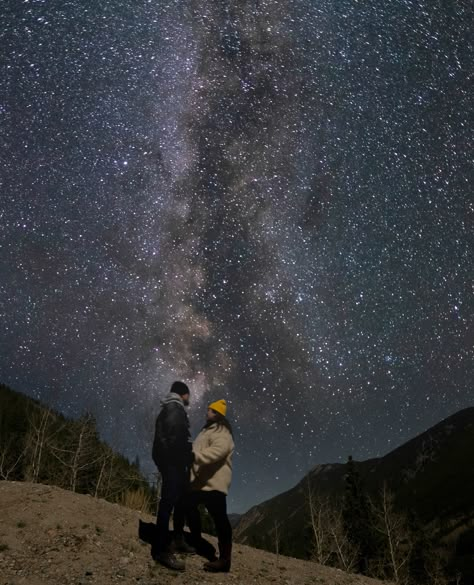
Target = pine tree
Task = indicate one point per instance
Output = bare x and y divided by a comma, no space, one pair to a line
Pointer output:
357,519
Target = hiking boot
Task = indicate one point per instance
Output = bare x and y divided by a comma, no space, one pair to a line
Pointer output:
218,566
180,545
169,561
222,564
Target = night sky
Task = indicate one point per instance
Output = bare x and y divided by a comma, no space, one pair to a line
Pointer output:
270,200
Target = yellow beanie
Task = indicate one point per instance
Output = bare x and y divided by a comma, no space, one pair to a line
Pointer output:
219,406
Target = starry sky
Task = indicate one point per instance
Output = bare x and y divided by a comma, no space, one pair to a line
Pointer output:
270,200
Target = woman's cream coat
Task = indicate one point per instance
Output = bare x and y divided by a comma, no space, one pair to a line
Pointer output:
212,467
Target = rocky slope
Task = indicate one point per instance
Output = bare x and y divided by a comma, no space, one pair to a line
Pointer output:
49,536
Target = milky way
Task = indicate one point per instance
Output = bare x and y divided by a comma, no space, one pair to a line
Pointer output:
269,200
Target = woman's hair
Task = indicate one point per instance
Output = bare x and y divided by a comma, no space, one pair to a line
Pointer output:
221,422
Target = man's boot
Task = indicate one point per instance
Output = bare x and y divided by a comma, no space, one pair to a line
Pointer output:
180,545
222,564
168,560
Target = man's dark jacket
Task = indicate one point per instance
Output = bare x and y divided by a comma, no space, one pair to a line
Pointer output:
172,444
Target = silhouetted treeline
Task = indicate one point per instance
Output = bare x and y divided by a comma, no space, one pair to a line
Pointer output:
365,532
42,446
407,516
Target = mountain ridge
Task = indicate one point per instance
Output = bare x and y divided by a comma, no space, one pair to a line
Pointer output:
431,477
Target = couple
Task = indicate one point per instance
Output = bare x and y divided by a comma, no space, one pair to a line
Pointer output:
192,474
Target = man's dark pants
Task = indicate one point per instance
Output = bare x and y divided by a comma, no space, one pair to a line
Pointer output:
174,484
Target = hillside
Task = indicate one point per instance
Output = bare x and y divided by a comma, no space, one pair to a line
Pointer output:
431,477
40,445
50,536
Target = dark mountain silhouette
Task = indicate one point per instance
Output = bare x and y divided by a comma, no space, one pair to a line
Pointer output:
431,477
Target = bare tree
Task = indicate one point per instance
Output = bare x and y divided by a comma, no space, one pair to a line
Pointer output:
109,473
436,574
81,454
37,440
319,516
9,459
393,527
346,552
331,544
115,482
114,479
105,459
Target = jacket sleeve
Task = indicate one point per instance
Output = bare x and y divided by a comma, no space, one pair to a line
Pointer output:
172,442
157,443
218,450
178,437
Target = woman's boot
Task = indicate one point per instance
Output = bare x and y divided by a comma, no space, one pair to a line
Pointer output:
222,564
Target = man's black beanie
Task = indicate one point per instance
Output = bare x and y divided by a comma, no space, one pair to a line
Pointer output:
179,388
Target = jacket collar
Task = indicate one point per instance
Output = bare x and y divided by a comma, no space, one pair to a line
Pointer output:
172,397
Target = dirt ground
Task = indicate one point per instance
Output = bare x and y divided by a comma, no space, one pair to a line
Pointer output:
49,536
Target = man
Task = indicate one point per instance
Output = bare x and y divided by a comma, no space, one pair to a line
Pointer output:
173,455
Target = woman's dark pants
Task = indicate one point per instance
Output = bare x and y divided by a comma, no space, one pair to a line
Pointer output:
216,505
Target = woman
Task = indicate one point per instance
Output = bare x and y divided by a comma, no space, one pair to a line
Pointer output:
211,475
